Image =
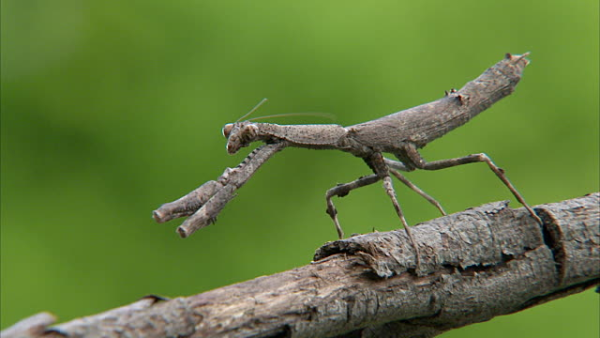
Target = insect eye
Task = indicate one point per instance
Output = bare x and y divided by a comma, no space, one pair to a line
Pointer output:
250,132
227,129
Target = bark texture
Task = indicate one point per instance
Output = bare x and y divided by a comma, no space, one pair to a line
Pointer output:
477,264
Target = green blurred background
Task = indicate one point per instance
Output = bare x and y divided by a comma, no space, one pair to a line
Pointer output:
111,108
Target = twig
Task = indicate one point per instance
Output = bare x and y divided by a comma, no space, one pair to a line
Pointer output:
480,263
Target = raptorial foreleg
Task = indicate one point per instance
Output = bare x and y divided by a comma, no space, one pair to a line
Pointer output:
206,202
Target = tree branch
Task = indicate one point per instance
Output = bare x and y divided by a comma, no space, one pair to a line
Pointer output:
480,263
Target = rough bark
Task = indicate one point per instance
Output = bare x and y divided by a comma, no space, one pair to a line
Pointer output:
477,264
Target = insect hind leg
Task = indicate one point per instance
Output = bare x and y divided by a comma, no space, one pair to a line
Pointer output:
400,166
416,158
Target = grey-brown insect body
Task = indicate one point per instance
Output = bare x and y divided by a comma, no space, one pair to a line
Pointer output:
427,122
416,126
401,134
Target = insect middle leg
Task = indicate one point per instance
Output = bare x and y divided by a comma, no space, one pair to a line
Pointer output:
419,162
381,169
342,190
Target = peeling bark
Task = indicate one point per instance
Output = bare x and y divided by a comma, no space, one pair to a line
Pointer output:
477,264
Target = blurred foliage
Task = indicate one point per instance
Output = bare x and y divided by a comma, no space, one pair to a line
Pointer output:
110,108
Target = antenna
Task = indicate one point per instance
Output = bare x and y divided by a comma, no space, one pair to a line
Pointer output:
323,115
253,109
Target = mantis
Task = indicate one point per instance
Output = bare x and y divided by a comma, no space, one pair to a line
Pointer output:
401,134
